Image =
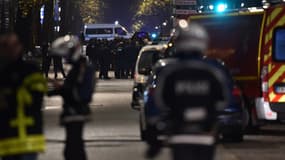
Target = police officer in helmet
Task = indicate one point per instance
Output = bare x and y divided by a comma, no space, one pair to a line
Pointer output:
77,93
191,40
189,91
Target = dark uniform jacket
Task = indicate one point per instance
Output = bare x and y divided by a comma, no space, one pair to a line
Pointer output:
77,92
21,94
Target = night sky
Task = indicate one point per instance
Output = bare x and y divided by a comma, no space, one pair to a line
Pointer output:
121,10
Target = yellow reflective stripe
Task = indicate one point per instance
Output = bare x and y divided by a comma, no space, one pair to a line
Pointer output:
40,87
12,146
276,75
282,99
271,95
24,96
22,121
260,45
36,82
268,36
273,15
270,19
281,22
266,57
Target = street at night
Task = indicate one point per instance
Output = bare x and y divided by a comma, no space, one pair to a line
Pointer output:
142,79
113,132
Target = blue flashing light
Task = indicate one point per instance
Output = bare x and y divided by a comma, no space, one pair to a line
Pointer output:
153,35
221,7
42,14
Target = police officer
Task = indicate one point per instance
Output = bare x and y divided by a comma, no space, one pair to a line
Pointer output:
119,60
92,52
189,93
58,66
104,60
22,86
77,92
46,59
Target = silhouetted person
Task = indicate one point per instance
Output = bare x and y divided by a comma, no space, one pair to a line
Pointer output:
58,66
22,87
132,51
46,59
77,93
104,61
119,60
190,92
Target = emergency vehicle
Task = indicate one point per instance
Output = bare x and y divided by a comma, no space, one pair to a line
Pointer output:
105,31
252,43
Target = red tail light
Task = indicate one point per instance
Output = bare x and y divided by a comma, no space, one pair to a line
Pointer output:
236,92
237,95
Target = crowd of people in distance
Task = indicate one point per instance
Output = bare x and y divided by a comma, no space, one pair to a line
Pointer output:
119,55
47,60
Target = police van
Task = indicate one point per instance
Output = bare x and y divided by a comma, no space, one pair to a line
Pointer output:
105,31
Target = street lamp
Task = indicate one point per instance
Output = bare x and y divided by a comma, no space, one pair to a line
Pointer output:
164,24
116,22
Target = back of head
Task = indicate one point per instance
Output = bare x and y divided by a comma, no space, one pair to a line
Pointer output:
190,38
11,49
10,46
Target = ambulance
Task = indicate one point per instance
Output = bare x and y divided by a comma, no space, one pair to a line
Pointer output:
251,42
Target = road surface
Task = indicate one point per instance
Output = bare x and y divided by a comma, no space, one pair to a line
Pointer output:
113,133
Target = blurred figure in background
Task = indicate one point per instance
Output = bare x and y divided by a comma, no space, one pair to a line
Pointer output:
119,57
58,66
92,52
21,96
125,60
77,92
46,59
104,60
135,48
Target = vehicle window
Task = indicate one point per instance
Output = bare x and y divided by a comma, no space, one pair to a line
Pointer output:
120,31
279,44
147,60
99,31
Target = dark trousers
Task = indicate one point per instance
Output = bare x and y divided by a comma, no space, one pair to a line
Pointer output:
46,65
58,66
74,145
193,152
103,71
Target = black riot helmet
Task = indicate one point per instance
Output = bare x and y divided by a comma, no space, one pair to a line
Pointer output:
190,38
